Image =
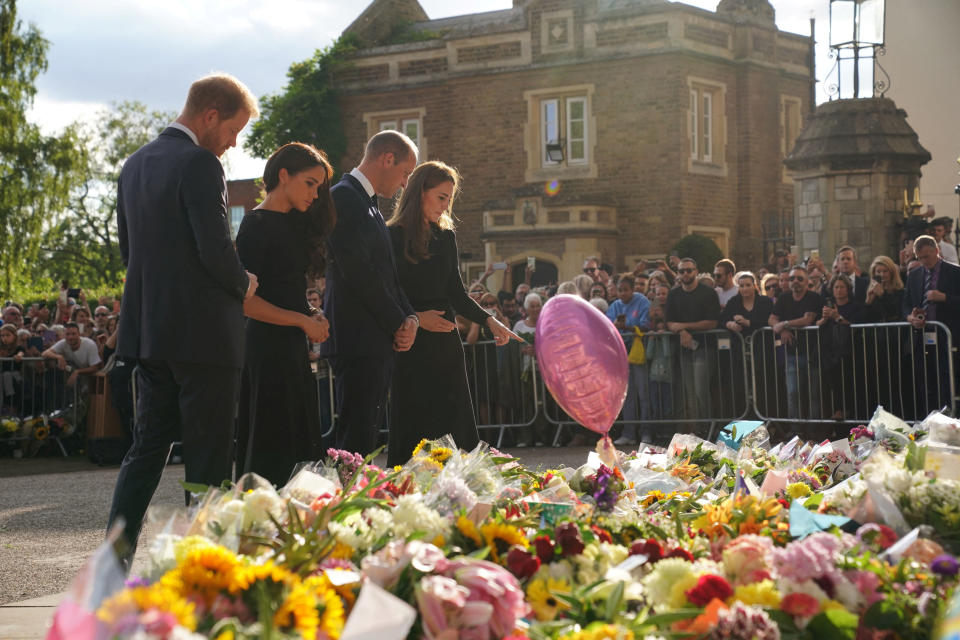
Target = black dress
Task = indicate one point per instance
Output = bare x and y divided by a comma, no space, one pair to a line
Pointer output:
278,423
430,396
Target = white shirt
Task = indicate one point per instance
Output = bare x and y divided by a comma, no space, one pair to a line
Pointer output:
363,180
85,356
725,295
187,130
948,252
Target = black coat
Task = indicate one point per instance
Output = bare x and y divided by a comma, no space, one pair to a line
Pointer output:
948,311
363,299
183,297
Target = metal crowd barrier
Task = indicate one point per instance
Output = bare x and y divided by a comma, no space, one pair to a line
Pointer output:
697,387
34,391
839,374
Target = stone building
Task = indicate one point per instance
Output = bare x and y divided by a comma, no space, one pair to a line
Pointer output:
589,127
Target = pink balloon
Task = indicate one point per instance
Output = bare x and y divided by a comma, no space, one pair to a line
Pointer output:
583,361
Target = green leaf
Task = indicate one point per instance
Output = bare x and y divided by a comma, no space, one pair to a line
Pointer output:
884,614
194,487
835,624
614,602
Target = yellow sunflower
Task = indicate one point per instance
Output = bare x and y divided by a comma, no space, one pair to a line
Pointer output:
329,602
155,597
440,454
41,432
468,529
540,595
417,449
500,537
206,571
298,612
244,577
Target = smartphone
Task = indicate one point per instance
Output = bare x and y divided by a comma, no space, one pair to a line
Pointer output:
499,266
622,317
876,277
531,263
73,293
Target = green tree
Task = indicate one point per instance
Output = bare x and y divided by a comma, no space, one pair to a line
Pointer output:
82,245
306,110
37,172
701,248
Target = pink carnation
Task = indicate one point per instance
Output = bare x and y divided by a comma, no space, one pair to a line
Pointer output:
813,557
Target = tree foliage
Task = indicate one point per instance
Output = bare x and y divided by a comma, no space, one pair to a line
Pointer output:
81,245
37,172
701,248
306,110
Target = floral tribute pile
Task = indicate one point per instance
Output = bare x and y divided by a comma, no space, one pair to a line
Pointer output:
853,539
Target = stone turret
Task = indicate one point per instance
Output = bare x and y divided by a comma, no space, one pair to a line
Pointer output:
758,12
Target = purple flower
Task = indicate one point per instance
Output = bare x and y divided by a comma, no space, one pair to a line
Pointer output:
945,565
136,581
605,495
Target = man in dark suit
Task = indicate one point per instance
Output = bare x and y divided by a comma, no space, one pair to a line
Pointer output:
932,294
847,265
175,241
370,316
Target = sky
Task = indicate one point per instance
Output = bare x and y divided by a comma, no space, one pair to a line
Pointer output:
105,51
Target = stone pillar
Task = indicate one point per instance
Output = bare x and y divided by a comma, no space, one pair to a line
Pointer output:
850,166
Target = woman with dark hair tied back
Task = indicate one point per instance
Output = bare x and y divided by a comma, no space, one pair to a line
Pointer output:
281,242
430,396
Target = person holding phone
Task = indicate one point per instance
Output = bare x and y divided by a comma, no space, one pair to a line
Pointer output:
430,394
932,294
885,293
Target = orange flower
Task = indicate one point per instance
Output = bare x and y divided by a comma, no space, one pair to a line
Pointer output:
704,622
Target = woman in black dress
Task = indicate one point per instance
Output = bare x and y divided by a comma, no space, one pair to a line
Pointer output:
745,313
430,396
281,242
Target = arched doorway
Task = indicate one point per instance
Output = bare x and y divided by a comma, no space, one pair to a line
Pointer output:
544,275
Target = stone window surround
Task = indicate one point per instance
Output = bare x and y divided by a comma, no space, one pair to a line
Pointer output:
535,170
717,165
372,120
548,17
785,144
720,235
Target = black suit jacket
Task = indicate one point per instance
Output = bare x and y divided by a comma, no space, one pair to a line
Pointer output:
363,298
948,311
860,286
183,296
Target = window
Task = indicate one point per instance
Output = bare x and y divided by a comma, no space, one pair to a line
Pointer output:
236,217
564,137
409,126
560,133
409,121
705,127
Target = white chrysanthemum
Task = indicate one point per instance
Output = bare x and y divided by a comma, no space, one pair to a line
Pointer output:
257,504
412,516
229,514
353,531
667,574
380,522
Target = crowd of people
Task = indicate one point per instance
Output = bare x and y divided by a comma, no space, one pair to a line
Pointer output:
680,378
49,349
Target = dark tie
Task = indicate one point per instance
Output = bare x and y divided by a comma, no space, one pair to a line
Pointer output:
927,306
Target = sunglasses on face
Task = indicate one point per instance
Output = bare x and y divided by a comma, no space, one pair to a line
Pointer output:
101,315
686,270
590,270
799,278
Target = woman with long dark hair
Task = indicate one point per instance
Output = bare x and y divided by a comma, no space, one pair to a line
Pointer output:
281,242
430,396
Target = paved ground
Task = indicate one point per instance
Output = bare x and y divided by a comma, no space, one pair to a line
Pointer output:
53,513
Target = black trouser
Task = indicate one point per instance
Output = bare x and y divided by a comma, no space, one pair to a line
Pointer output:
191,402
361,385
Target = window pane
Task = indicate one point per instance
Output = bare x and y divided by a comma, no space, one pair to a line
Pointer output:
707,125
576,129
694,129
390,125
412,130
550,120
